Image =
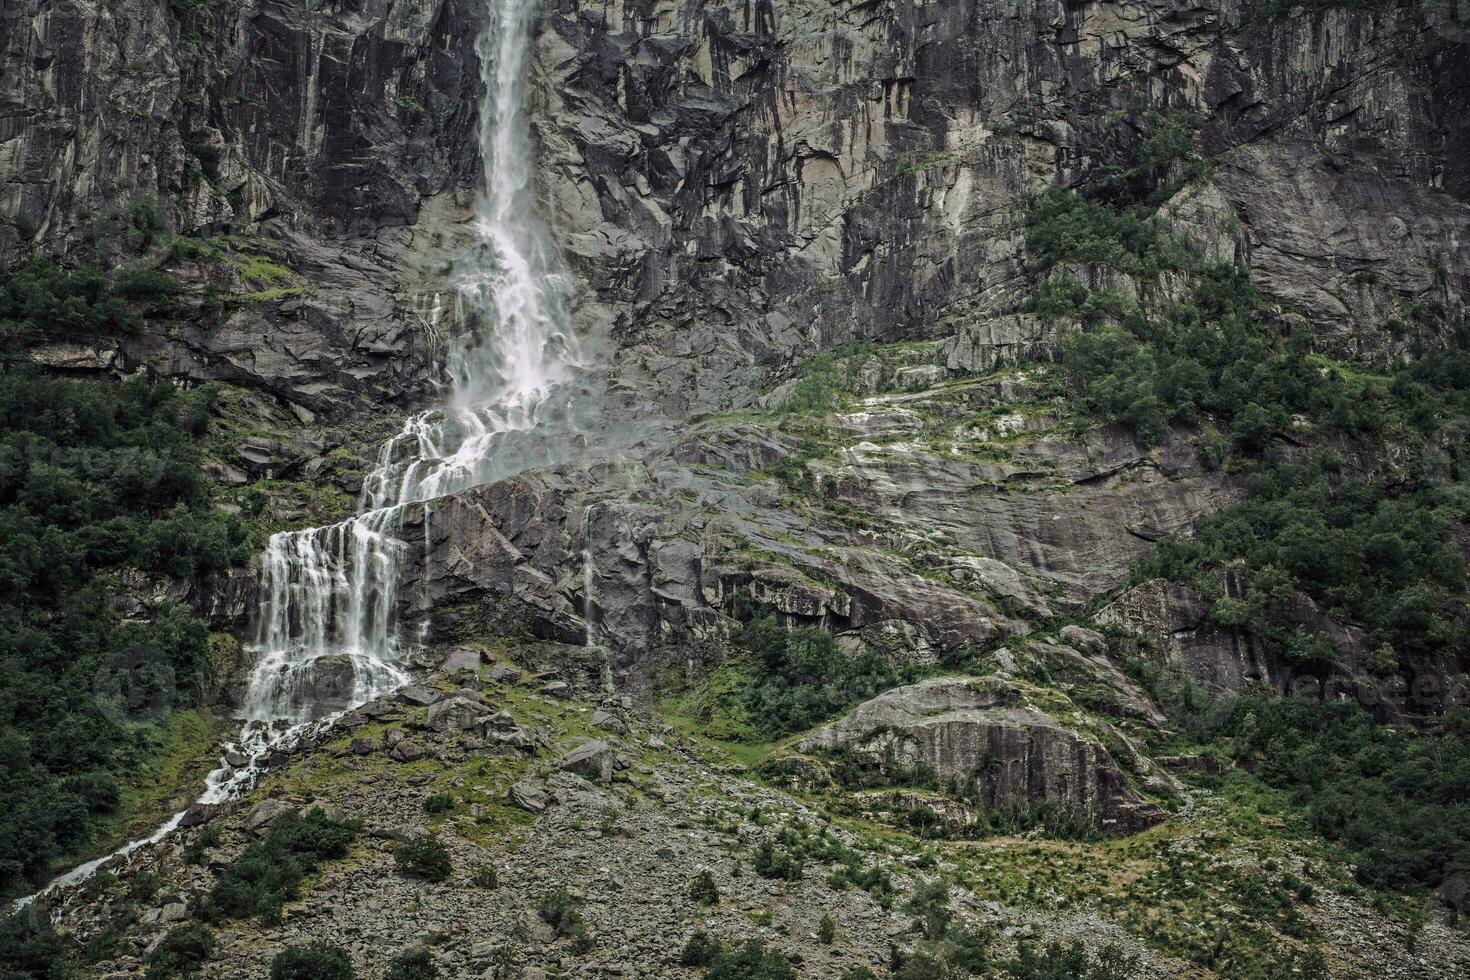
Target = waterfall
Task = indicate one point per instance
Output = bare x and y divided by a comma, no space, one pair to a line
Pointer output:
327,637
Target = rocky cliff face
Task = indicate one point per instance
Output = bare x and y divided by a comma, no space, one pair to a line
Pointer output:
741,188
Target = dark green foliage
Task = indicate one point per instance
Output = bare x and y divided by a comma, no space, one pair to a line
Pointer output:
1062,226
199,847
424,857
1373,553
806,678
439,803
95,478
32,950
41,301
704,890
561,910
955,952
1071,961
268,874
1395,800
412,964
827,929
748,961
485,876
319,961
769,862
929,905
182,952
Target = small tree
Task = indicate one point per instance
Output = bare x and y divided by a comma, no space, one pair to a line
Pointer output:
182,952
412,964
704,890
827,929
424,857
319,961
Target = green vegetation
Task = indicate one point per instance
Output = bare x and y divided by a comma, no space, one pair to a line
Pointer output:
42,302
1375,553
561,910
319,961
424,857
270,873
704,890
1394,799
748,961
182,952
95,479
804,677
412,964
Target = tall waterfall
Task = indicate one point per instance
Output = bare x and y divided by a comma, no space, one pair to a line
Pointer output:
327,636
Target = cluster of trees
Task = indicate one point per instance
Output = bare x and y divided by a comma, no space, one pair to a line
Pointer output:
1393,798
804,677
1375,553
42,300
95,478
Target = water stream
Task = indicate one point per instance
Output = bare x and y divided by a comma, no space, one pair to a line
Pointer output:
514,396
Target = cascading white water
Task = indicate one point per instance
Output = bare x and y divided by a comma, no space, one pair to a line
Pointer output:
327,636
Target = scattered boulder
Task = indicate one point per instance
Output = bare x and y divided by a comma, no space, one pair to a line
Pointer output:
197,815
259,820
461,659
417,695
455,714
609,722
406,751
594,759
557,689
505,673
530,795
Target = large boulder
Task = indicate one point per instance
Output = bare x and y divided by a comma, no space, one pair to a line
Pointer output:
1022,758
455,714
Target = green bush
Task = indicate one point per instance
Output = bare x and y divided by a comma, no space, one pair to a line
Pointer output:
769,862
412,964
182,952
561,910
748,961
439,803
1071,961
319,961
1393,799
704,890
1378,554
424,857
269,873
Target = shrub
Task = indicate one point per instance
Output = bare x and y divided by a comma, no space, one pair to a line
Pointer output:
439,803
561,910
319,961
704,890
827,929
485,876
181,952
424,857
768,862
412,964
749,961
268,874
929,905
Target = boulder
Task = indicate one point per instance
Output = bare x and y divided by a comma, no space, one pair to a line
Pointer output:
609,722
455,714
406,751
417,695
530,795
1022,758
463,658
259,819
593,759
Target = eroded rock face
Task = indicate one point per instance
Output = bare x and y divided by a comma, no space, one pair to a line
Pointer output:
1022,758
